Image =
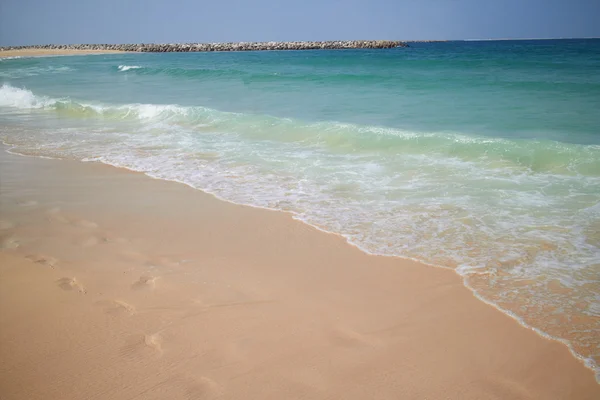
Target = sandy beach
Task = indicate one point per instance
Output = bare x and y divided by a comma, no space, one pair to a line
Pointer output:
52,52
118,286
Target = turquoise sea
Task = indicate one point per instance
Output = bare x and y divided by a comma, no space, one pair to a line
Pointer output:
480,156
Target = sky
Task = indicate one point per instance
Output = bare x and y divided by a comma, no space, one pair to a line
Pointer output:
24,22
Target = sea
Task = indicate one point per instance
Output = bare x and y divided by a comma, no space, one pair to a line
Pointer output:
479,156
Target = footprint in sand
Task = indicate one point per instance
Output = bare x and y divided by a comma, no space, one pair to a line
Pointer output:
117,307
199,388
9,243
70,284
142,346
350,338
89,241
28,203
5,225
162,261
110,238
186,386
145,282
151,261
95,240
131,255
43,260
54,214
82,223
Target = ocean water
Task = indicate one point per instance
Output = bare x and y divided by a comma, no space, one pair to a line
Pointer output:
483,157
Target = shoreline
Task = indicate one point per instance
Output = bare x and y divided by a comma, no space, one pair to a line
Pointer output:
314,283
586,362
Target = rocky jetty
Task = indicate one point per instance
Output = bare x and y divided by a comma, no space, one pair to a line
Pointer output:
241,46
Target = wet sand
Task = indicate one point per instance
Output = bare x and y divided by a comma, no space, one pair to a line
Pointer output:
114,285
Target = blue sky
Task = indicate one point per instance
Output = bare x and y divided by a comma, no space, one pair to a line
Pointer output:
133,21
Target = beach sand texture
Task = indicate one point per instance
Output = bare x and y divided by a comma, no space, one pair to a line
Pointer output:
117,286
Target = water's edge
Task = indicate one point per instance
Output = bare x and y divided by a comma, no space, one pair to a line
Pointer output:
588,362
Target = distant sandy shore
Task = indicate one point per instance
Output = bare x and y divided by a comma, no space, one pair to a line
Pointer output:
52,52
117,286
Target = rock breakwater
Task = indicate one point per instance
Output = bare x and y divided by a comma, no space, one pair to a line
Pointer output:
201,47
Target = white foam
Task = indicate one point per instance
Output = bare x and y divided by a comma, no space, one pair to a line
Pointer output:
124,68
21,98
33,71
499,219
405,204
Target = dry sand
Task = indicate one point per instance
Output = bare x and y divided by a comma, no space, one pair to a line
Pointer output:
117,286
52,52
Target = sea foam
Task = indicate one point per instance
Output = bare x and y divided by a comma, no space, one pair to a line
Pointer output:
128,67
22,98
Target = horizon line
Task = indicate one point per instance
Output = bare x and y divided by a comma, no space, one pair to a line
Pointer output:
531,38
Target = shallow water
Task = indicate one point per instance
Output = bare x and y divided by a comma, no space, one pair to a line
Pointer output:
478,156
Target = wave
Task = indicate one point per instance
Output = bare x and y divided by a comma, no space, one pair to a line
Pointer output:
128,67
537,156
518,218
33,70
25,99
22,98
540,75
254,77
